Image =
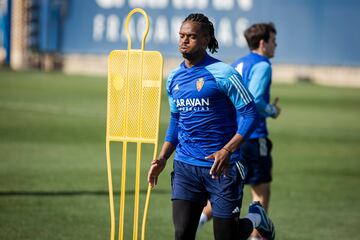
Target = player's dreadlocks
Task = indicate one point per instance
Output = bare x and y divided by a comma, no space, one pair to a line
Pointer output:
205,24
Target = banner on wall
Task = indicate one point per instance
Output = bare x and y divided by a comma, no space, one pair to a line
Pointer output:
308,32
102,23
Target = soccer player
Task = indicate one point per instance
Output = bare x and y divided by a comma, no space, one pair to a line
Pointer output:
211,115
255,69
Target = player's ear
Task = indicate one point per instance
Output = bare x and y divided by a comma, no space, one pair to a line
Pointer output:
262,45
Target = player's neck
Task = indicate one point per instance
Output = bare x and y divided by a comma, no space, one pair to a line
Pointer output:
259,51
192,60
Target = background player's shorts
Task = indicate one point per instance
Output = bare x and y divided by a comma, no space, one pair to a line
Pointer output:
257,155
194,183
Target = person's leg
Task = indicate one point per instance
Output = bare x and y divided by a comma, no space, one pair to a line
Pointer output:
206,215
245,227
186,217
232,228
240,229
226,198
188,198
257,153
261,193
261,221
260,184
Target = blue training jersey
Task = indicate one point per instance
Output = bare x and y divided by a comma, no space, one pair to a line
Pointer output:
206,97
256,73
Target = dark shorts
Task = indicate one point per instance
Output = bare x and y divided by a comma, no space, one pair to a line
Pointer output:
194,183
257,155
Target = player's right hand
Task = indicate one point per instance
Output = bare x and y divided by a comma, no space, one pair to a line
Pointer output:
157,166
277,107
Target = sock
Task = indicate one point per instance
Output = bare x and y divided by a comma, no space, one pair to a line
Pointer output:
254,218
203,220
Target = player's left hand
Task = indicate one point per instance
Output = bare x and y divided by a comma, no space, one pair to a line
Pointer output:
221,163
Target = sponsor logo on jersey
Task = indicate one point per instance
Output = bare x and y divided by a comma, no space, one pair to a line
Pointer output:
199,84
192,104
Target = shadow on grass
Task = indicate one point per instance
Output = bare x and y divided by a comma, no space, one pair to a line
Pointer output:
71,193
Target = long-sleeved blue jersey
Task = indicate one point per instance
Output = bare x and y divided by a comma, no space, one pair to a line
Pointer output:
256,73
204,103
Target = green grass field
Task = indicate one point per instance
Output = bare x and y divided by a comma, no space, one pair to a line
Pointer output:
53,182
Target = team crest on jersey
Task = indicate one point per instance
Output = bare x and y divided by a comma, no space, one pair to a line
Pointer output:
199,84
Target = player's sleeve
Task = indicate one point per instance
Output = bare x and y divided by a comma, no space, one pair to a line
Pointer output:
233,87
247,119
247,115
169,82
260,77
172,131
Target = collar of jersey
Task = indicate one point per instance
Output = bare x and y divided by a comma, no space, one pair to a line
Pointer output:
262,57
203,62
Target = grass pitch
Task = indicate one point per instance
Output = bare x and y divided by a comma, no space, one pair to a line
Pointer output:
53,182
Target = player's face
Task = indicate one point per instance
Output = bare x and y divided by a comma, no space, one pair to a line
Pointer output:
192,42
270,46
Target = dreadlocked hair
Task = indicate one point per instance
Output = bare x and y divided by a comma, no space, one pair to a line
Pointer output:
206,25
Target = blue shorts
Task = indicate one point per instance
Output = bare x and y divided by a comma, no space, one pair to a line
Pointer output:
194,183
257,155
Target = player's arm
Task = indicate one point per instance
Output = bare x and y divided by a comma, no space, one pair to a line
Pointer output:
158,165
168,147
171,141
260,78
247,120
